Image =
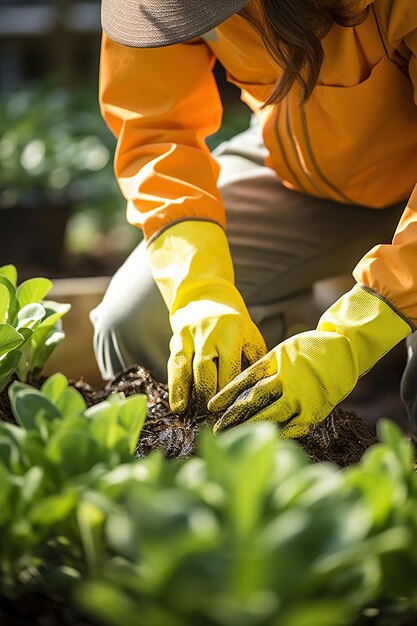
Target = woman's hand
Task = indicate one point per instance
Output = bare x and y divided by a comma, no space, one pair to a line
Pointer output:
297,384
213,335
300,381
211,341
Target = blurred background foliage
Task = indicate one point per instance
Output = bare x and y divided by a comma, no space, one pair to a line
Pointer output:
55,149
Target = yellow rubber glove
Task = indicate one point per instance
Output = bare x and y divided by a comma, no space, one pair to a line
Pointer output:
300,381
212,331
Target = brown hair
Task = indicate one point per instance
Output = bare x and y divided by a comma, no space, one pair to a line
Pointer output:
292,31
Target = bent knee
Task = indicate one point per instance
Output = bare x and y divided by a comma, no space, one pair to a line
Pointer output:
107,320
125,336
109,329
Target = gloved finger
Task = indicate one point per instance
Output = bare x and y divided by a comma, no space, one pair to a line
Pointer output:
250,403
229,368
245,381
280,411
251,353
204,378
303,423
230,360
180,373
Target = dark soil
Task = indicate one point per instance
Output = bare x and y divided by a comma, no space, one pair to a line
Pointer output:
37,609
342,438
6,413
41,610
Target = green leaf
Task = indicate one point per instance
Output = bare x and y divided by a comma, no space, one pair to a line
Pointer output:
103,423
106,409
11,437
54,386
13,432
71,403
53,509
47,327
90,520
106,430
25,348
9,272
132,415
10,338
391,434
320,613
29,316
9,452
33,290
31,489
73,451
8,366
118,419
110,605
42,351
4,303
13,303
67,399
34,453
54,311
26,333
379,479
6,487
29,406
249,446
59,579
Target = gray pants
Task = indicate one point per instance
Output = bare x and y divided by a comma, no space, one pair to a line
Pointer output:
281,242
409,381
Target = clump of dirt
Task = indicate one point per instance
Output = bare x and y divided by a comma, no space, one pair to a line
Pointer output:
164,430
6,413
342,437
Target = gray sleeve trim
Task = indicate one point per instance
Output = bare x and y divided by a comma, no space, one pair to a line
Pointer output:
389,303
178,221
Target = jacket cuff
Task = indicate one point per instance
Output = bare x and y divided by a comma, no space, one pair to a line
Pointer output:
157,234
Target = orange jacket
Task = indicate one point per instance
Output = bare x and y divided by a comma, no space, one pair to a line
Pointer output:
355,141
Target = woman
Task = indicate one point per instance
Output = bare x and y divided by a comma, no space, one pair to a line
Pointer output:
320,179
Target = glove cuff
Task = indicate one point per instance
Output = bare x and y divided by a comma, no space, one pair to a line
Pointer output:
191,260
371,324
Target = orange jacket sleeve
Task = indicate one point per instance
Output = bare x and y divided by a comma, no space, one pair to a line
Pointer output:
161,104
392,269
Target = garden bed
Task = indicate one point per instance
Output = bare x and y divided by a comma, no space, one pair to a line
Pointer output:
83,555
115,511
342,438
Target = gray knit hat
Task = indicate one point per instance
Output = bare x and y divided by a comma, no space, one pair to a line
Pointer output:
156,23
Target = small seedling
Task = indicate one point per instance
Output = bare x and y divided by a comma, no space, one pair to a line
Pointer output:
30,326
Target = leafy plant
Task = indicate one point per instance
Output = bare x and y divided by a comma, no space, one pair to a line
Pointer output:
53,141
56,150
49,470
253,533
250,532
30,327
